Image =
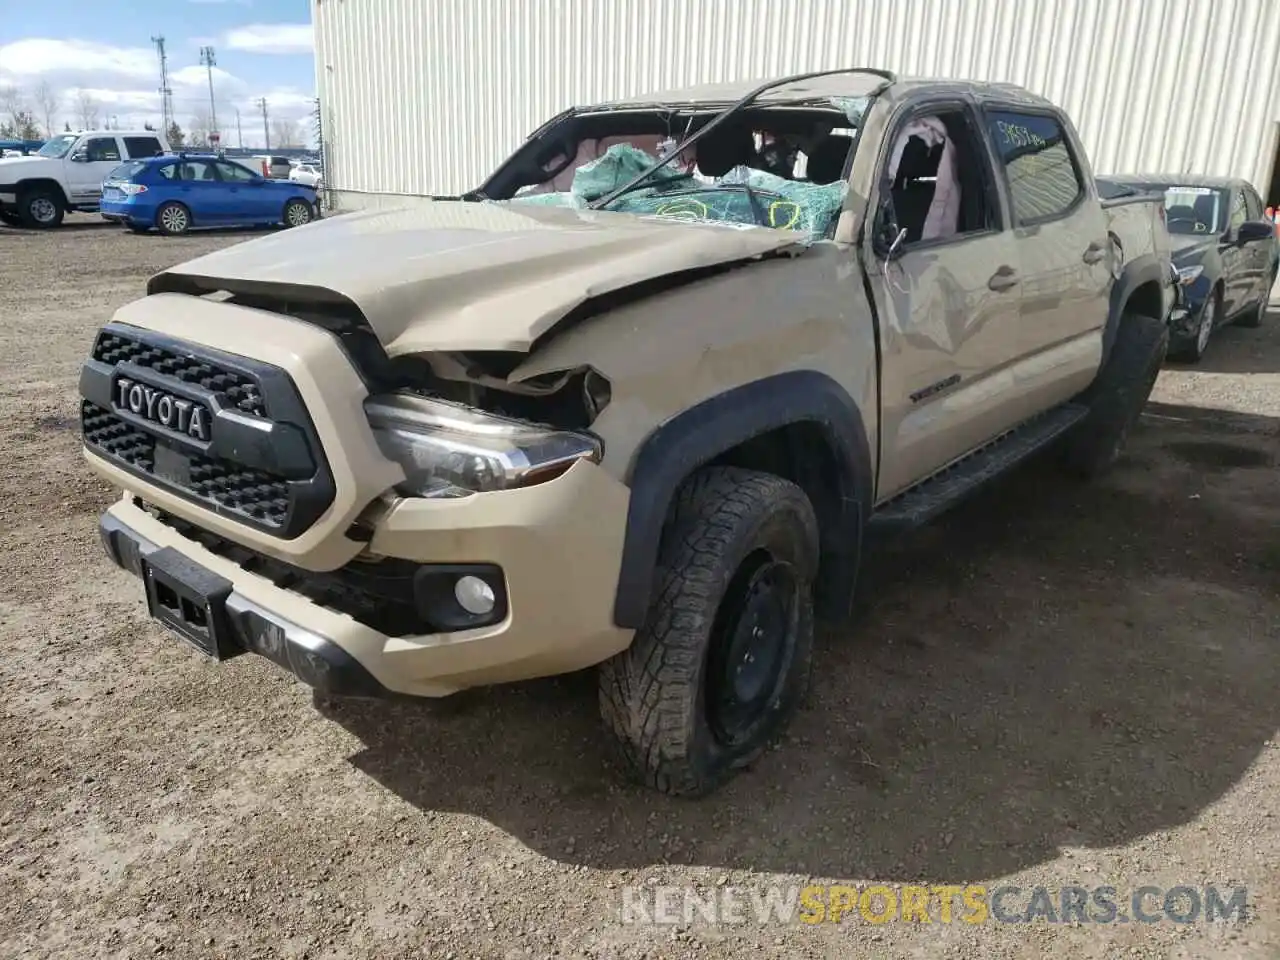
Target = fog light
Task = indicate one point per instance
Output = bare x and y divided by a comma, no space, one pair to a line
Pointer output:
474,596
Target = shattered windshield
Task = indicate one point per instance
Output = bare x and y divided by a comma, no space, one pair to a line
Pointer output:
742,196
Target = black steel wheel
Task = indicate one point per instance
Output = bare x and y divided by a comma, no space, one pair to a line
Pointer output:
722,661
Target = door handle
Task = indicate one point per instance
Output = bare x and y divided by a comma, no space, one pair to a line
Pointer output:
1094,252
1003,279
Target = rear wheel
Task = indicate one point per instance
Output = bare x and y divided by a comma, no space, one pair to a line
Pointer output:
1117,396
40,208
723,659
297,213
173,219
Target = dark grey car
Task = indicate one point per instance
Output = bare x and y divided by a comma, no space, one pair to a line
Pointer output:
1225,250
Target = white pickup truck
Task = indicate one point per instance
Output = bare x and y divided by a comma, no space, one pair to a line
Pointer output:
66,174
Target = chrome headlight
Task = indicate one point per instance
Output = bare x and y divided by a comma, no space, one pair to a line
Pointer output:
1187,275
451,450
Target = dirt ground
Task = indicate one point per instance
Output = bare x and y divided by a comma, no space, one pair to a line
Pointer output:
1056,685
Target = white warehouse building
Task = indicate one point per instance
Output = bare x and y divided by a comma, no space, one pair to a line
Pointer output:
423,97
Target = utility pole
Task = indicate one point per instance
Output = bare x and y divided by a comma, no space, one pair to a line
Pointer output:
266,134
239,131
166,92
208,62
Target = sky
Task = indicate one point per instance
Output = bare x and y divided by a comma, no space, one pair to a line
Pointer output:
262,48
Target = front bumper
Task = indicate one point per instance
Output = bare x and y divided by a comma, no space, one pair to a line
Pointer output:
314,659
559,551
1184,320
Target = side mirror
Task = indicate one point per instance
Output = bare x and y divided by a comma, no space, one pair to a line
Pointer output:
1252,230
80,156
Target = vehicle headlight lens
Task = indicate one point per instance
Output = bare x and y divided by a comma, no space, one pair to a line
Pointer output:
451,450
1188,275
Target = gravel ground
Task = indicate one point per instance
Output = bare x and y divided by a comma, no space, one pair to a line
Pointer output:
1054,686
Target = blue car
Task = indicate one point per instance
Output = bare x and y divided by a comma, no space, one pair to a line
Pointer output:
174,193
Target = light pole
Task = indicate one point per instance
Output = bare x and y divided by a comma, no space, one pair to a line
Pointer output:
208,62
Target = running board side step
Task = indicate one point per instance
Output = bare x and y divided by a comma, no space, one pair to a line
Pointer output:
934,496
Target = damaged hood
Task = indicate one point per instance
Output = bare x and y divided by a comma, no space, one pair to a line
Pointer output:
455,276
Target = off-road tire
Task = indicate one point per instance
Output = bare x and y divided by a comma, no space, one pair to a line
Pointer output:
1253,318
27,201
1188,349
653,695
169,225
1117,396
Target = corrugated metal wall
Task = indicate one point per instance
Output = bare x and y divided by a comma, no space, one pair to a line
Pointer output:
427,96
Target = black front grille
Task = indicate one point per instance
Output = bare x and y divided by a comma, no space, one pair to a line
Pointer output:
266,470
116,438
240,390
251,494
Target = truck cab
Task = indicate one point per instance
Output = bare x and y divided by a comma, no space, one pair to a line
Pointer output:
65,175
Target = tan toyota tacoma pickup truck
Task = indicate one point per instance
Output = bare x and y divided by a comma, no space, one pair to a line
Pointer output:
636,402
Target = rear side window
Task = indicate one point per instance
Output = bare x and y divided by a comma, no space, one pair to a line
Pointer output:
1043,180
196,170
128,169
142,146
168,171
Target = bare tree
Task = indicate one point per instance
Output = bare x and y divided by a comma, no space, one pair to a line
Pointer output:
86,108
18,120
284,133
198,128
47,99
12,102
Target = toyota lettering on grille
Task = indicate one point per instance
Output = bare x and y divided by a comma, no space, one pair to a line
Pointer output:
158,406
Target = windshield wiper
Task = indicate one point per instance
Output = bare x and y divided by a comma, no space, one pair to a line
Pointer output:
725,114
632,187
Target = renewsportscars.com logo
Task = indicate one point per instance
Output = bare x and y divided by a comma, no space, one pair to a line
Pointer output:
941,903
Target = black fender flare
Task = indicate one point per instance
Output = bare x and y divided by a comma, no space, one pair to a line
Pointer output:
697,436
1144,269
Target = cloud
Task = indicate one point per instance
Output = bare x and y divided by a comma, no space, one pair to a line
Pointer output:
123,85
37,57
271,38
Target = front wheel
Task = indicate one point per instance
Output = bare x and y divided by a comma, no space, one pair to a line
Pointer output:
40,209
1192,349
297,213
723,659
1253,318
173,219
